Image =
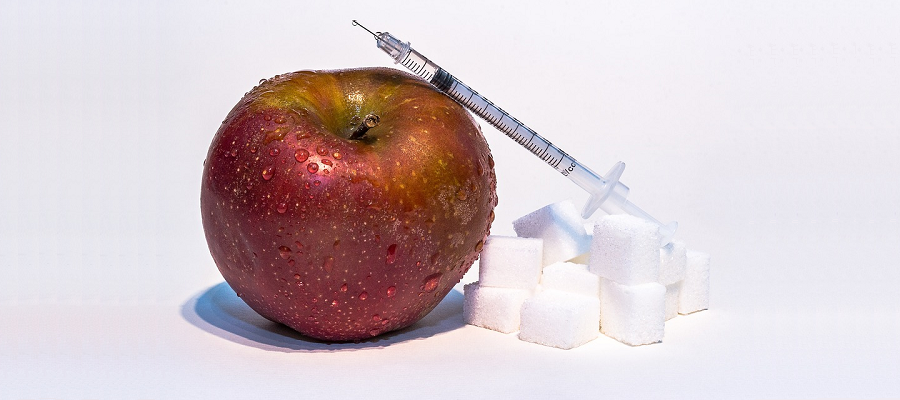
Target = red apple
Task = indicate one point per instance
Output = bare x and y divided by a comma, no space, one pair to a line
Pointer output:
340,226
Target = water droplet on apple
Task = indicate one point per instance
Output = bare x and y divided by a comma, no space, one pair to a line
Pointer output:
391,291
337,244
461,194
334,303
391,254
234,152
261,81
328,264
301,155
317,182
431,282
285,252
297,276
374,331
279,119
268,172
344,287
312,167
337,156
253,150
291,262
326,161
299,247
274,151
282,208
479,245
376,317
266,117
363,296
321,150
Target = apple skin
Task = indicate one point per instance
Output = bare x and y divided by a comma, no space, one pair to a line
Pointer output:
345,239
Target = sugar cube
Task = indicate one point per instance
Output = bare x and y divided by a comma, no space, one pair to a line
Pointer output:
560,226
625,249
673,292
571,278
560,319
633,314
673,261
511,262
493,308
695,288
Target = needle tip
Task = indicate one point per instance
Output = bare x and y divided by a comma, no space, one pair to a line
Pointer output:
355,23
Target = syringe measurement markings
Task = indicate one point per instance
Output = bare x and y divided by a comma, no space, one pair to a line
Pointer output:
408,63
458,91
515,135
417,68
490,116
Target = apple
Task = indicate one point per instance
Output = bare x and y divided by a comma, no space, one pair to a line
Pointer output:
346,204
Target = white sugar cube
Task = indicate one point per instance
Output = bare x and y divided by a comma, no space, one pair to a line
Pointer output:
673,293
493,308
510,262
560,226
625,249
633,314
571,278
560,319
695,288
673,261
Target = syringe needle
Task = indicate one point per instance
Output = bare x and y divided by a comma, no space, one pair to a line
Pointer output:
367,29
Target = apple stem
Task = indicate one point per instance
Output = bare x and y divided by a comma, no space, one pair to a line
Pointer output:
369,122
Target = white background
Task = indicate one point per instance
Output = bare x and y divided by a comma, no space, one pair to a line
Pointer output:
769,130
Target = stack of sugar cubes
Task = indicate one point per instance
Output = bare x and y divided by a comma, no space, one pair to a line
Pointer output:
538,283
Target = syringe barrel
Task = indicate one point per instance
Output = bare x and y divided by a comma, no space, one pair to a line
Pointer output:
613,199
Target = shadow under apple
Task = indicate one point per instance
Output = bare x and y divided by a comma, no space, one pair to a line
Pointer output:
219,311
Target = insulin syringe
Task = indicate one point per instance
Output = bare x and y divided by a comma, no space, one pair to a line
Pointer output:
606,193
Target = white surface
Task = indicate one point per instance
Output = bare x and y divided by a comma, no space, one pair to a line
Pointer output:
770,130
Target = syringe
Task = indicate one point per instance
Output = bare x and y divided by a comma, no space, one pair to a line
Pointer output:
607,193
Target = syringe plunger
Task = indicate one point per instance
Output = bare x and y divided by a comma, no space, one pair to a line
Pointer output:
611,195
